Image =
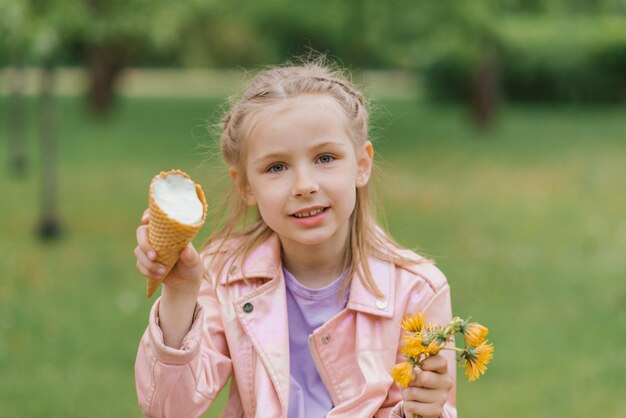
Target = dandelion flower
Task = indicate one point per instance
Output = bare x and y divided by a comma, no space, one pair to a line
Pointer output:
413,323
413,345
475,333
433,329
433,348
476,360
402,373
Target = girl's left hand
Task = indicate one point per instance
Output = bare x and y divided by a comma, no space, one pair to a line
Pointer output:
428,392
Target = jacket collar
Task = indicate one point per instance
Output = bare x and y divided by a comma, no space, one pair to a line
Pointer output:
264,262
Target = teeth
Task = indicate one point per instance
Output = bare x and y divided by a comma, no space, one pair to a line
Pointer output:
308,214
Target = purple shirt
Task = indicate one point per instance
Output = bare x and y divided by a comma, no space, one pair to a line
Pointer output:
307,310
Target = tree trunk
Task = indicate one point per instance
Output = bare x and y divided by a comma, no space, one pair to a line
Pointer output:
484,90
49,226
105,63
16,119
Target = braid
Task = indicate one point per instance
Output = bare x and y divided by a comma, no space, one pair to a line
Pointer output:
348,89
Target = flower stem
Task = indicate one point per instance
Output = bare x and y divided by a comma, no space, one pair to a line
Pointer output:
458,350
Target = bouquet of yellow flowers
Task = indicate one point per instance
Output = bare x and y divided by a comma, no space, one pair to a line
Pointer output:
423,340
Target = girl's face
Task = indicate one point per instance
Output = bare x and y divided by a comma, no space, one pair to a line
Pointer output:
303,170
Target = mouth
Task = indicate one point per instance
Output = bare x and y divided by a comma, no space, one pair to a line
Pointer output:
309,212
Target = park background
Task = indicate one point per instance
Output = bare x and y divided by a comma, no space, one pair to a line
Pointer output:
500,132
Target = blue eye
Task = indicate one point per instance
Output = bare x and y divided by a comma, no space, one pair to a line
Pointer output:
326,158
276,168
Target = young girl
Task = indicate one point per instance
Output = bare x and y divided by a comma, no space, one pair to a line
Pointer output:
301,307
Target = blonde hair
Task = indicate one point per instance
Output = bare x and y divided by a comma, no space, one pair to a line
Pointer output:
314,76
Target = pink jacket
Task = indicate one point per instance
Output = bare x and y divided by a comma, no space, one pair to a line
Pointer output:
240,330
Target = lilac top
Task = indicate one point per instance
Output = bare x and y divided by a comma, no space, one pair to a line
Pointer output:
307,310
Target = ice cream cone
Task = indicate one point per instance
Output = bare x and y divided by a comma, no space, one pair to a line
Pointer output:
168,236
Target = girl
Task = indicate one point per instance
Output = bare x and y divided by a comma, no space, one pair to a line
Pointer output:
302,306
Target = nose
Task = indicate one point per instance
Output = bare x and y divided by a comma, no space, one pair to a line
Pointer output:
304,183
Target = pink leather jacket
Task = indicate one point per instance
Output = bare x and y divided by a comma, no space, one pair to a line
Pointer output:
240,330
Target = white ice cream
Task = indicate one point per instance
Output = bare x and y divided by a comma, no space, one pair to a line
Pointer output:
176,196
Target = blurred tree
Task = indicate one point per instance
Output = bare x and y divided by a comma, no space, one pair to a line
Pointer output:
565,6
32,31
566,53
245,33
115,33
226,35
433,33
18,157
35,31
49,223
52,24
484,89
14,33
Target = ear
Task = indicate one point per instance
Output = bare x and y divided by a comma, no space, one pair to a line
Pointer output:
365,158
244,191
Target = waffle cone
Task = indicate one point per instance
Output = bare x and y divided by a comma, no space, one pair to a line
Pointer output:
167,236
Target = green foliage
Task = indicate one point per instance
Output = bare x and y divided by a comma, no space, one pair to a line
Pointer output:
573,59
548,49
246,33
13,27
448,75
148,28
569,7
551,59
32,30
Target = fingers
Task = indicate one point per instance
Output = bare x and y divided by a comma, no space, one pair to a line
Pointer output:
433,374
148,267
189,265
437,364
148,273
424,379
429,390
143,243
146,256
424,410
187,272
424,395
430,380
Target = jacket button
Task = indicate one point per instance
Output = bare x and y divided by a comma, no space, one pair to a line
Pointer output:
325,338
381,304
247,307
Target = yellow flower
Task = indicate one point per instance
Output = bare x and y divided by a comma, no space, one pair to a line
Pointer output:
433,329
476,360
475,334
402,373
433,348
413,323
413,346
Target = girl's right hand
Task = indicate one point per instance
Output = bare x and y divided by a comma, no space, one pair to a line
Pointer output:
186,275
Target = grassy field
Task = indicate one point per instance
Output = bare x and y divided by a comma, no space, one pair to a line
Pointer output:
528,221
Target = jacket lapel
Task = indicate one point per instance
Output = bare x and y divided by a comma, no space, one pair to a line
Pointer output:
263,314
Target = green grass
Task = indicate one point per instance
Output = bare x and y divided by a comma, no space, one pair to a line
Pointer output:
528,222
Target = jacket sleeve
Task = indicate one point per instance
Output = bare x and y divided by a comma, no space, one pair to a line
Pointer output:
183,382
438,310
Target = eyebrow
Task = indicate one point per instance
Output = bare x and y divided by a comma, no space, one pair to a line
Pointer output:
278,155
